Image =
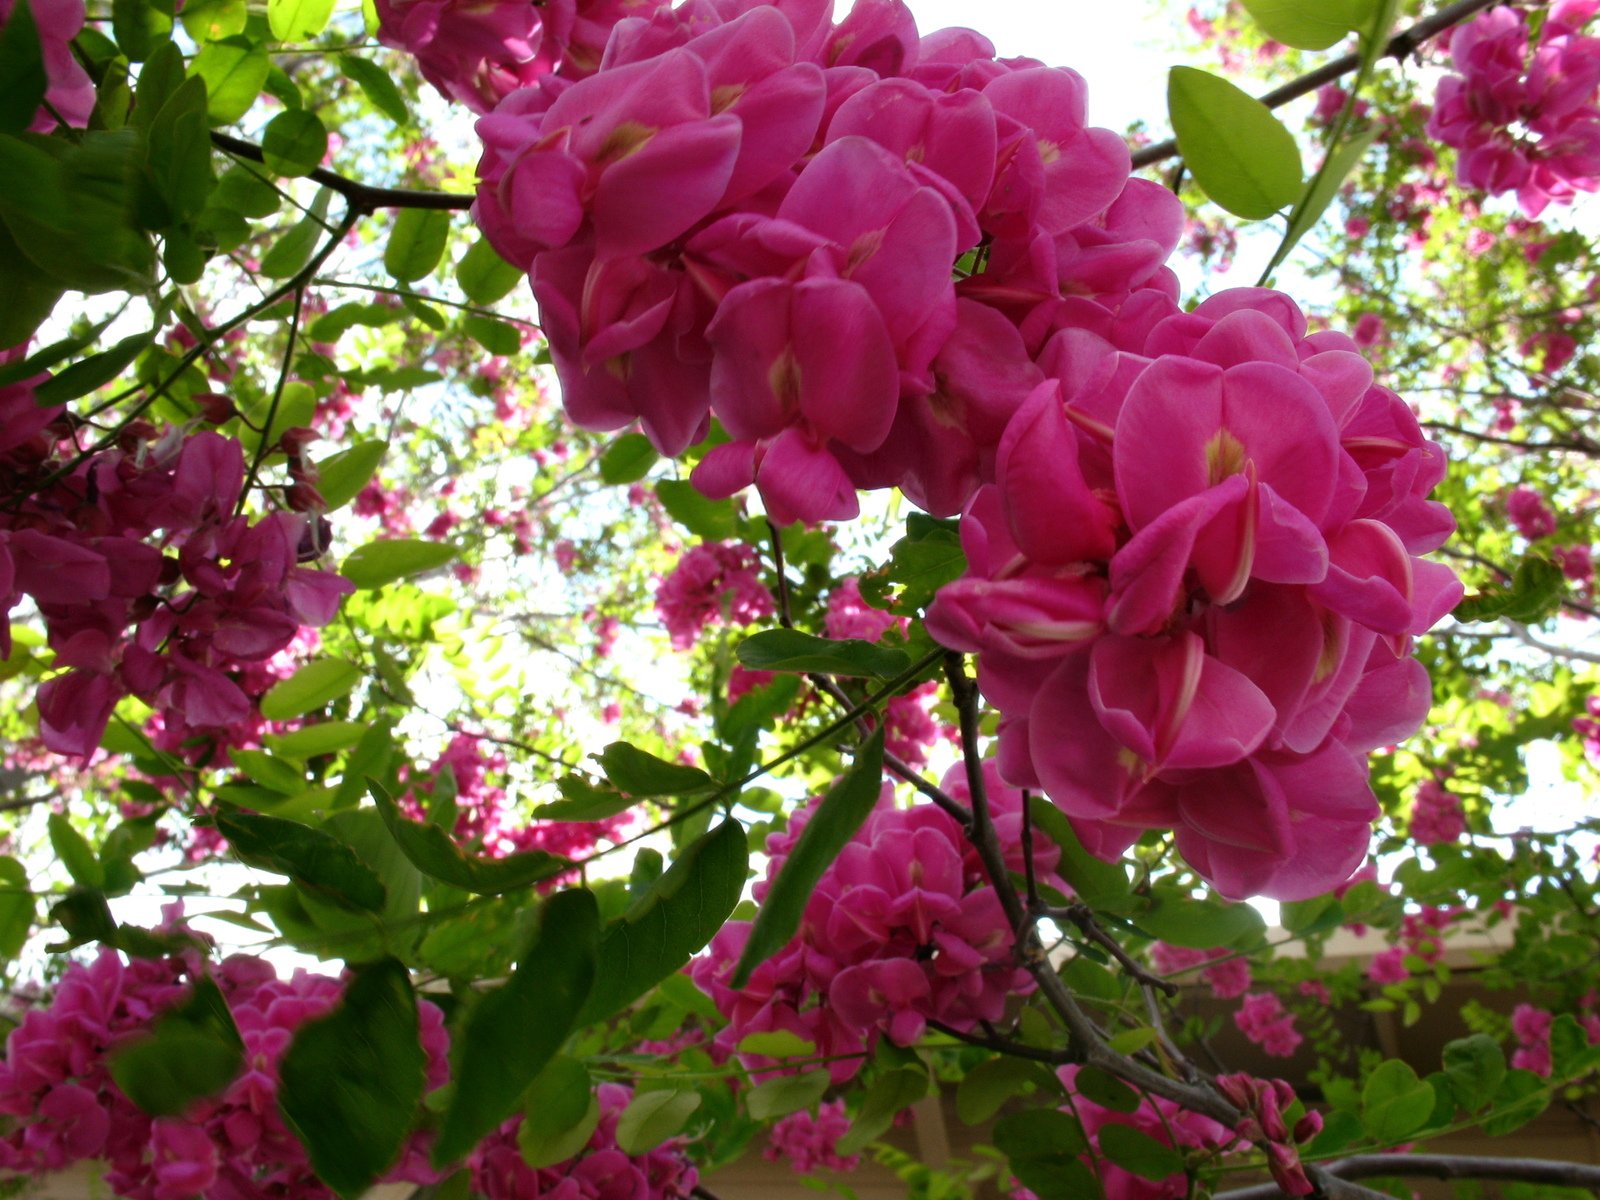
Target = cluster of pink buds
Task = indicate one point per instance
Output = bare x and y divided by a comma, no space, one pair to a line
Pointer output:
1264,1102
149,580
1524,115
901,930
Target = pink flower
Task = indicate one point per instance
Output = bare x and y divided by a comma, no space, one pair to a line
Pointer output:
1436,815
1529,513
1389,966
808,1141
714,581
1263,1019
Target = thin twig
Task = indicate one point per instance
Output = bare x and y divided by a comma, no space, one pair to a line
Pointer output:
363,197
1441,1166
1083,918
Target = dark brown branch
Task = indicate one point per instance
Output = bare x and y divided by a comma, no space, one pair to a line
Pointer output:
1400,46
1002,1045
362,197
1442,1166
1576,446
1080,916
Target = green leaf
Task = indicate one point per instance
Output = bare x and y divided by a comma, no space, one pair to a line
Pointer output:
314,859
630,458
435,853
290,253
23,81
376,86
74,852
179,152
341,476
87,374
313,686
641,774
494,335
1310,24
1475,1066
1520,1098
1094,882
193,1051
583,801
889,1093
269,771
352,1080
389,559
207,20
842,811
984,1090
1394,1102
1537,589
776,1043
17,908
1238,152
786,1094
1137,1152
653,1117
516,1029
701,516
560,1113
1571,1053
484,276
31,294
1195,924
312,741
298,20
1106,1090
922,562
294,143
1043,1146
234,69
416,243
791,650
675,918
1319,193
140,26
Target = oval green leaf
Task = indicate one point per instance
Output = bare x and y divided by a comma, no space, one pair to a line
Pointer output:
294,143
1238,152
318,683
389,559
791,650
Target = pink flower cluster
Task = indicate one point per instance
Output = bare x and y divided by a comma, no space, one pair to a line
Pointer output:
808,1141
64,1107
485,818
1265,1102
1229,976
70,92
147,581
714,581
601,1171
752,213
910,730
1531,1026
1193,586
1529,513
1263,1019
900,931
1436,815
1524,116
1156,1118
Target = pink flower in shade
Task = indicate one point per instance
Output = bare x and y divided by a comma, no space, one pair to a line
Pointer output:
1368,331
714,581
1263,1019
1529,513
1577,562
1389,966
185,1160
808,1141
474,53
1436,815
70,91
1531,1026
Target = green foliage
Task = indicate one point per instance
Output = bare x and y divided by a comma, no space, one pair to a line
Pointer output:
193,1051
1239,153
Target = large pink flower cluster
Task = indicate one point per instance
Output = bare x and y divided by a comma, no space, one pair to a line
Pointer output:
1193,586
64,1107
148,580
70,91
601,1171
808,1141
1525,116
846,242
901,930
714,581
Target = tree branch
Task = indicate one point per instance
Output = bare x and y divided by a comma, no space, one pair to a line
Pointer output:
362,197
1400,45
1441,1166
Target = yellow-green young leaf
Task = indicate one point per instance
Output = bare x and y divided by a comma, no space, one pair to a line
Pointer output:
652,1117
208,20
1238,152
341,476
484,276
389,559
416,243
376,86
314,685
1394,1102
74,853
294,143
234,69
298,20
1310,24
